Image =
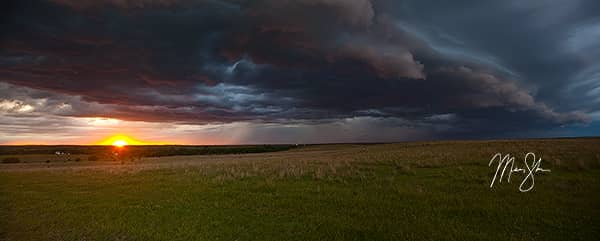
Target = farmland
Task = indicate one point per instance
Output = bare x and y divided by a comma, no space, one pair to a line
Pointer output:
400,191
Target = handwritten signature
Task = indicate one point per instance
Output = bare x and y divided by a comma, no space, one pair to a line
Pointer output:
531,167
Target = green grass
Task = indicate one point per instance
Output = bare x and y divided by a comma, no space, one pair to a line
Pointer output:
411,191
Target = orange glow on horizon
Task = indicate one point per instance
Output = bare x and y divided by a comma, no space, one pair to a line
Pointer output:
120,143
123,140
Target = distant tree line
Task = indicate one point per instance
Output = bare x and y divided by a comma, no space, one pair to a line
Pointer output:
143,151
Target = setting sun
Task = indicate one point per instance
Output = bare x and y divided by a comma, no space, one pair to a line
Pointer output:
119,143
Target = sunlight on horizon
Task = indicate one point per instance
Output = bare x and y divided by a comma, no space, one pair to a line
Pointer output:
123,140
120,143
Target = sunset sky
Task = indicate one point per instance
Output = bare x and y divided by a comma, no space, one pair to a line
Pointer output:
304,71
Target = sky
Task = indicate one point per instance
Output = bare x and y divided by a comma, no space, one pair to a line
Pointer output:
297,71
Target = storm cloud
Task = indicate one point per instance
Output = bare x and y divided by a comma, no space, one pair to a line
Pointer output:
308,70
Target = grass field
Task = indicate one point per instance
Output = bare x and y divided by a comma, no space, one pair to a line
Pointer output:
403,191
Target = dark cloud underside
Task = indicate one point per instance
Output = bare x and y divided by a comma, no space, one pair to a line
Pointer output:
427,69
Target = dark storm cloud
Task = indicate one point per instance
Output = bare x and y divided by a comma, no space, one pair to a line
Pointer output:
545,43
461,68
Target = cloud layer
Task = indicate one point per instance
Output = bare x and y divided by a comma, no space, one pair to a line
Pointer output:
417,69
